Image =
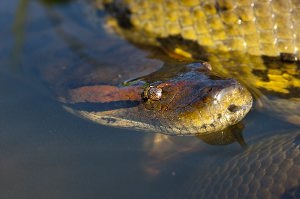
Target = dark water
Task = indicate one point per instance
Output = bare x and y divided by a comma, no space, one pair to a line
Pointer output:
45,152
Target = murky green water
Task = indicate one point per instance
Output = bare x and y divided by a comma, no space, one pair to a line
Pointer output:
45,152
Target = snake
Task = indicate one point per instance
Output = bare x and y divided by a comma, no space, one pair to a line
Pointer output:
267,168
253,42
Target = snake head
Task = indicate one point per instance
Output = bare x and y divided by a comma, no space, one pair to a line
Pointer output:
197,102
189,102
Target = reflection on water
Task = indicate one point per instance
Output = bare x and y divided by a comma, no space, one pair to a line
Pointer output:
47,153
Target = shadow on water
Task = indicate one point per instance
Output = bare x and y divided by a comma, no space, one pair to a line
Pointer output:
47,153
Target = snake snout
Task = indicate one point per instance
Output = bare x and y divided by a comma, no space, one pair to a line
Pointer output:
223,104
235,102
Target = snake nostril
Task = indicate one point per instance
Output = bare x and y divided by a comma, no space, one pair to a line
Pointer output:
233,108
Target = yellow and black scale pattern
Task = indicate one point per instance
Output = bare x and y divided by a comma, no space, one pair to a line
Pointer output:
245,39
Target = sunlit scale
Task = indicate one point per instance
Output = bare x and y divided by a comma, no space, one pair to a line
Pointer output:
273,32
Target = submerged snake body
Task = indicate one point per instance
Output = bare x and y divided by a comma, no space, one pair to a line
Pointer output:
268,169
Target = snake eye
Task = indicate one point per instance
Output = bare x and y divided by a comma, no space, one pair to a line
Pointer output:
152,93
